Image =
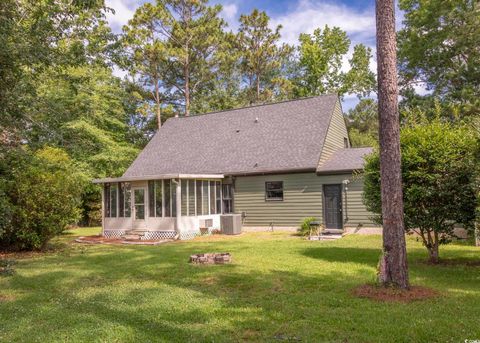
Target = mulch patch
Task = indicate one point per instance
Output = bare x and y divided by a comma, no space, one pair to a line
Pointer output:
390,294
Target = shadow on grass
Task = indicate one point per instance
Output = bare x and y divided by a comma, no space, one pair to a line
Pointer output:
344,255
153,294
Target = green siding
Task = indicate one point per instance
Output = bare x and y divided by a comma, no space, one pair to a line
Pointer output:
336,133
302,198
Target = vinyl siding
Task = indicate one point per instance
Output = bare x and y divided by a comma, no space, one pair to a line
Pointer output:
336,133
302,198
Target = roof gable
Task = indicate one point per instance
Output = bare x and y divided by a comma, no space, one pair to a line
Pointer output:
285,136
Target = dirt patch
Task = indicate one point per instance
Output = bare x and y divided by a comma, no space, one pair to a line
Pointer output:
5,298
210,280
390,294
104,240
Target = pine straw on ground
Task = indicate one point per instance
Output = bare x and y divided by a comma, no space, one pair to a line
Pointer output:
391,294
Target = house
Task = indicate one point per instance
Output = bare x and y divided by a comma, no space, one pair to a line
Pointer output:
274,163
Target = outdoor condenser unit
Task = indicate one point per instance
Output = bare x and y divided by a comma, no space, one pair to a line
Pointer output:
231,224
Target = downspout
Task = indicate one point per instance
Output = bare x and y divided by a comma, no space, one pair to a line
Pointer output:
178,205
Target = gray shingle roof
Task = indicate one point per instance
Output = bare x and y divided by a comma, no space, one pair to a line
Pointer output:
287,136
345,160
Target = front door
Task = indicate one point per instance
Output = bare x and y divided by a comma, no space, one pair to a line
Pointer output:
139,207
332,206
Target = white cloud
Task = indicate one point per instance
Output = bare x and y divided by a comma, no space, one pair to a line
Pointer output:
309,15
229,12
124,10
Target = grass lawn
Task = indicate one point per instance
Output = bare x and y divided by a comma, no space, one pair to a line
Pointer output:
278,288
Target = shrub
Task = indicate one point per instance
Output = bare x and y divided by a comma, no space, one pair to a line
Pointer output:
438,172
304,229
44,191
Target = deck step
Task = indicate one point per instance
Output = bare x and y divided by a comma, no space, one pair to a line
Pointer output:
132,237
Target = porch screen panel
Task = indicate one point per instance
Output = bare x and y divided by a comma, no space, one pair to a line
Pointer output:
128,199
205,198
106,200
184,211
199,197
158,197
218,197
121,199
166,190
173,200
113,200
151,198
227,199
191,197
212,197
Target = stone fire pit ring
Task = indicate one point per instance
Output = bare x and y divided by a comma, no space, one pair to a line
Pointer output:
211,258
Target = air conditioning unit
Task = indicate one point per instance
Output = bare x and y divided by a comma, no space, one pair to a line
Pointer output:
206,223
231,224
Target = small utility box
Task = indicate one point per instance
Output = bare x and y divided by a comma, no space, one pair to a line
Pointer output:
231,224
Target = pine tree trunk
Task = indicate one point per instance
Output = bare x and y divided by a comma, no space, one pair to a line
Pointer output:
258,88
187,91
393,264
158,107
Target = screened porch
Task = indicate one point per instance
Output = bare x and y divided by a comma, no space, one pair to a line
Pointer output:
164,206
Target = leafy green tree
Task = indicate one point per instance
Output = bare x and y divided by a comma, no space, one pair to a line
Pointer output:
36,35
43,191
320,63
83,111
262,57
362,123
438,172
438,46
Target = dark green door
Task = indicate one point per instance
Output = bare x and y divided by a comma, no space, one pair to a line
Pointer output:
332,206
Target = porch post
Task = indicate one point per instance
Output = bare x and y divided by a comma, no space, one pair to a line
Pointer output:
178,203
103,209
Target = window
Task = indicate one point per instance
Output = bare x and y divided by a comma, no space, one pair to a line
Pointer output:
345,142
274,190
227,199
155,198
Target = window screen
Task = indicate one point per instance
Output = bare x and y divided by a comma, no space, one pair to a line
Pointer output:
113,200
166,190
199,196
191,197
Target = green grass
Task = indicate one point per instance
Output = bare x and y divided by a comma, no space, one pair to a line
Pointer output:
279,287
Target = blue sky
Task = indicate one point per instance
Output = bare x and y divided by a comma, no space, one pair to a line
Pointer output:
357,18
